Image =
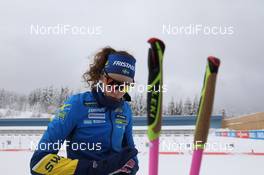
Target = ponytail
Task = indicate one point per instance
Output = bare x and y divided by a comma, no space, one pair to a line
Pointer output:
93,75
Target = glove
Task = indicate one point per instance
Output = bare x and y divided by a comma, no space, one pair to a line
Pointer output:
108,165
130,168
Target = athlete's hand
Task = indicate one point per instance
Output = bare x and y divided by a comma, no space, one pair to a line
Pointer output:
130,168
113,162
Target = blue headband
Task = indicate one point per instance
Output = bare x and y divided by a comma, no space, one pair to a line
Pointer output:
121,64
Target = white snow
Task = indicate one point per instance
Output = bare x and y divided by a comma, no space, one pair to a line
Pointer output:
15,155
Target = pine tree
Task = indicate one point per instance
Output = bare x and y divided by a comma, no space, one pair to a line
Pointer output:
171,107
179,108
195,105
187,109
138,105
2,98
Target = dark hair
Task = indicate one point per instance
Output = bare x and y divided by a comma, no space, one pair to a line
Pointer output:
95,71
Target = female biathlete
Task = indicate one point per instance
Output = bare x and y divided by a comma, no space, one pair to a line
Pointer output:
95,126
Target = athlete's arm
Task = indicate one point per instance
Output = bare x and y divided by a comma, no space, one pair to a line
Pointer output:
129,142
45,159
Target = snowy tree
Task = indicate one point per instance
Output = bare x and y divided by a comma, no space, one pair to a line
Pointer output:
33,98
38,100
187,108
142,105
171,107
179,108
21,103
63,95
138,105
2,98
46,98
195,105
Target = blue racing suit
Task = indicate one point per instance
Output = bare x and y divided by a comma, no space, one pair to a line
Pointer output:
90,128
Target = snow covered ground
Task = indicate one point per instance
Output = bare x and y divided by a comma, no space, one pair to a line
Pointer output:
229,156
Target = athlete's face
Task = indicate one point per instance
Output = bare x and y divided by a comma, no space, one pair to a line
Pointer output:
113,88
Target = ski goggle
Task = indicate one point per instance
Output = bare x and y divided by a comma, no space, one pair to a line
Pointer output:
118,85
